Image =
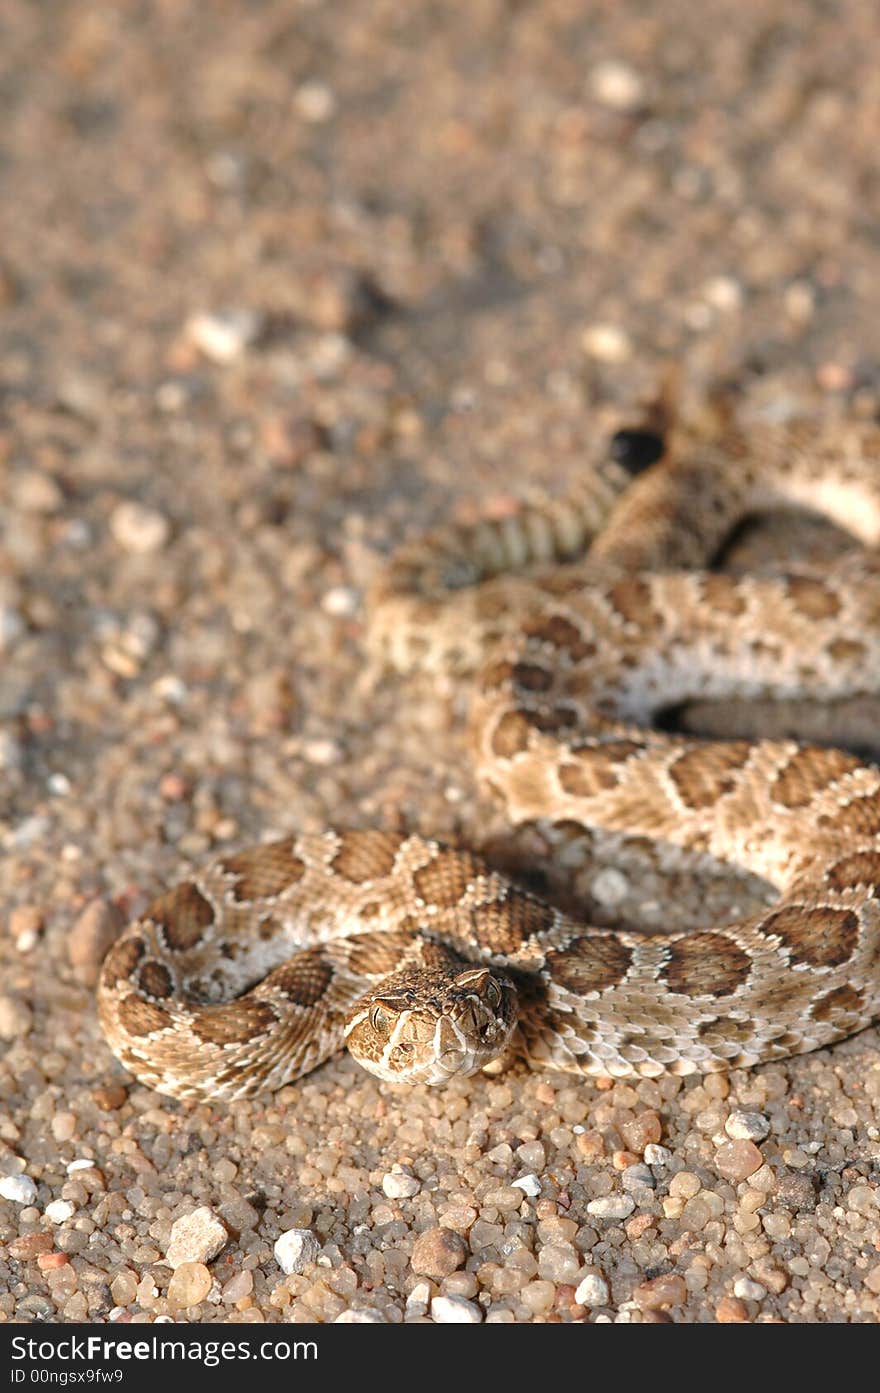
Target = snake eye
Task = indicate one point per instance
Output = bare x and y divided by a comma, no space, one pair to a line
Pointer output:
379,1020
492,994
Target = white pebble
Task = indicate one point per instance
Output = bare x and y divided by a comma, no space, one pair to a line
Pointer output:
341,601
398,1185
295,1249
657,1155
747,1290
593,1291
747,1126
18,1188
225,334
723,293
59,1210
196,1237
607,343
455,1310
12,626
617,85
612,1206
138,528
529,1184
319,751
365,1315
610,887
81,1165
315,102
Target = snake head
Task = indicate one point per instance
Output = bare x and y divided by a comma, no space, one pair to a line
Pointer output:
425,1026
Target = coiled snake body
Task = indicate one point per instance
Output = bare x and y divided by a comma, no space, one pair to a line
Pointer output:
427,963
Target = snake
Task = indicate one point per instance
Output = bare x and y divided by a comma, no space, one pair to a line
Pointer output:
575,622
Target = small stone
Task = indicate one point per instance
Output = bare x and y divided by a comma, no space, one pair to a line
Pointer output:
195,1238
364,1315
558,1262
612,1207
139,529
748,1290
37,493
723,293
110,1097
16,1018
636,1177
64,1126
123,1288
593,1291
607,344
341,602
25,923
12,626
872,1280
51,1262
296,1249
455,1310
93,931
657,1155
190,1285
397,1184
729,1311
617,85
438,1253
222,336
659,1292
238,1287
737,1160
529,1184
747,1126
640,1131
315,102
20,1189
30,1245
11,749
610,887
59,1211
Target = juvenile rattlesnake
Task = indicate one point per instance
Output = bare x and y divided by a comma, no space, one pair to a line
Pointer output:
427,963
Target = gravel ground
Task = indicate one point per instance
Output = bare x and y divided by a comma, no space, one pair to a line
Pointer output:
278,283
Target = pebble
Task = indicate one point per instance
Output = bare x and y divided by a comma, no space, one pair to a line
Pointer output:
59,1211
11,749
364,1315
139,529
748,1290
25,923
94,929
737,1160
341,602
20,1189
610,887
617,85
397,1184
455,1310
315,102
730,1311
190,1284
747,1126
223,335
37,493
296,1249
612,1207
438,1253
529,1184
659,1292
607,344
16,1018
593,1291
12,626
196,1237
657,1155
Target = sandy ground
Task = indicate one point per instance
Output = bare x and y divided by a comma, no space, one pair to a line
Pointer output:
293,280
